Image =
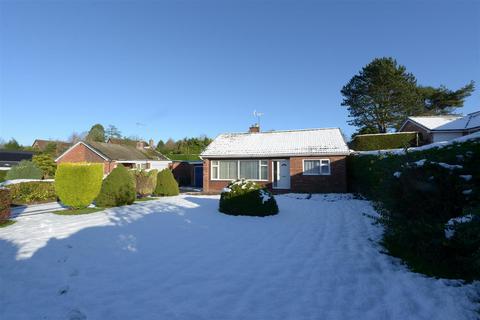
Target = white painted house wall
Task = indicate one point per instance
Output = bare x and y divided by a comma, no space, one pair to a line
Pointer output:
445,136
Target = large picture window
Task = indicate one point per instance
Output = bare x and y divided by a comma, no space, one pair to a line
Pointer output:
239,169
316,167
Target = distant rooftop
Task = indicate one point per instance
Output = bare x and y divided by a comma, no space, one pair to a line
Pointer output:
306,142
433,122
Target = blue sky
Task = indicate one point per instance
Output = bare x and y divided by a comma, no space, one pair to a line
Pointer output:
160,69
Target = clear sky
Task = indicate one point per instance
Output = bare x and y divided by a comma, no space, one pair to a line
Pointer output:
160,69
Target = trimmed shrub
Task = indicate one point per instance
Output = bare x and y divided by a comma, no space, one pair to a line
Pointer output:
3,174
118,188
383,141
46,164
24,170
32,192
145,182
166,184
418,199
4,204
78,184
247,198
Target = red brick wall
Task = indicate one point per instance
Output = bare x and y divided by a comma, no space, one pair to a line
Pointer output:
183,173
81,153
335,182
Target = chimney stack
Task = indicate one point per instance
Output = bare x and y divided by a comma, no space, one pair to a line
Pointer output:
151,143
254,128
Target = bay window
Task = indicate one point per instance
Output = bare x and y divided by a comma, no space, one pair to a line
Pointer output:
239,169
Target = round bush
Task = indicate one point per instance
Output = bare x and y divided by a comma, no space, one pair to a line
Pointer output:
118,188
46,164
166,184
24,170
247,198
78,184
145,182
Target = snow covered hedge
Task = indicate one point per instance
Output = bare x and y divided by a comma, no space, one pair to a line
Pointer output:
247,198
421,195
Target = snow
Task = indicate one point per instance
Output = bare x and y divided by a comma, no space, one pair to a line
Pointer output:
466,177
179,258
397,174
434,122
467,122
278,143
16,181
420,163
450,225
264,195
440,144
467,192
449,166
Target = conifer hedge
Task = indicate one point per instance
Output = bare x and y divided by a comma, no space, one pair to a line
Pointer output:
118,188
166,184
78,184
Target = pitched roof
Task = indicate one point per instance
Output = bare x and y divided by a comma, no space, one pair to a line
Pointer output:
128,142
42,144
122,152
433,122
468,122
308,142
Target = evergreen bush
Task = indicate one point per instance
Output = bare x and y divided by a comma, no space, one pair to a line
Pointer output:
166,184
383,141
24,170
32,192
78,184
418,194
46,164
247,198
118,188
146,182
3,174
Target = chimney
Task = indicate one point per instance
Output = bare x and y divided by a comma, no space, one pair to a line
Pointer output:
151,143
254,128
140,145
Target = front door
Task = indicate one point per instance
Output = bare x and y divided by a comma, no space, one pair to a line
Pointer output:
281,174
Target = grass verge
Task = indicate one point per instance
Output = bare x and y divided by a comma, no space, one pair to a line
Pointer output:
74,212
6,223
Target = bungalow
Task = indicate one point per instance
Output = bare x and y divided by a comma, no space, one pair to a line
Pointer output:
56,146
311,160
442,128
111,154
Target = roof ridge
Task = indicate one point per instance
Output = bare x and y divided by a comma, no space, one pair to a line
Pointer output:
280,131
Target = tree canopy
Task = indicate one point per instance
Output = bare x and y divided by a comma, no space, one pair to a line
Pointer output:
383,94
96,133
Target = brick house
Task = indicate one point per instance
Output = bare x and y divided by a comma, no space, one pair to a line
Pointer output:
111,154
58,146
442,128
311,161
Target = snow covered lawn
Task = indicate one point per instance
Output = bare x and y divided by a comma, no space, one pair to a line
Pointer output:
178,258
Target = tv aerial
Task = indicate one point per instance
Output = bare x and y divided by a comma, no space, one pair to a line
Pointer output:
257,115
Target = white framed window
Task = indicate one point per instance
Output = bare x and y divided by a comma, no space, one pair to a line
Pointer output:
316,167
239,169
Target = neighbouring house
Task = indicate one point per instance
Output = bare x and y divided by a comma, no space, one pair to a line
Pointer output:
58,146
8,158
442,128
111,154
188,173
311,160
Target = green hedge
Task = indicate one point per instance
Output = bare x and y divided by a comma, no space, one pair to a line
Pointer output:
46,163
24,170
78,184
32,192
166,184
366,142
417,194
118,188
247,198
3,174
5,201
145,182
